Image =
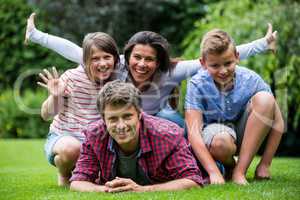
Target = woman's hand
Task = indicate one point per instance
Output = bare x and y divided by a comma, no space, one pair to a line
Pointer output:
30,26
271,38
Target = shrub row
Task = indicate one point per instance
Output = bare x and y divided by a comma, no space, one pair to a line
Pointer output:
20,114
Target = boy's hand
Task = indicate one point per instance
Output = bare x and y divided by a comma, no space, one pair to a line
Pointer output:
30,26
55,86
216,178
271,38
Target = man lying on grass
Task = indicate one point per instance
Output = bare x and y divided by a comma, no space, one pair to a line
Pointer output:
132,151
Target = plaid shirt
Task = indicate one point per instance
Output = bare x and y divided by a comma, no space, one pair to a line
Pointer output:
164,154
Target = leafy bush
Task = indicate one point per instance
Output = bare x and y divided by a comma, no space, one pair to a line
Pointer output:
20,114
14,55
246,20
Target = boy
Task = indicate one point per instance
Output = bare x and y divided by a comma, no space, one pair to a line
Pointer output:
230,110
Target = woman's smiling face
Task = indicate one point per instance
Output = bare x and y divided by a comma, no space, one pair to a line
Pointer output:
142,63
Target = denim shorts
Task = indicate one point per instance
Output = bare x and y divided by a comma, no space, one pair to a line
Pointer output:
52,138
210,131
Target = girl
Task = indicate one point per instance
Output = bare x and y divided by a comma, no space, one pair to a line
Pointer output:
72,101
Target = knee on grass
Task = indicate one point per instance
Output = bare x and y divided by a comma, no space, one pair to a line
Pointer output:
68,154
222,147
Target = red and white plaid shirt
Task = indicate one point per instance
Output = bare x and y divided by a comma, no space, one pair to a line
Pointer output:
164,154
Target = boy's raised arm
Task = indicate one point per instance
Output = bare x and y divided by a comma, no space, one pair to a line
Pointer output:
64,47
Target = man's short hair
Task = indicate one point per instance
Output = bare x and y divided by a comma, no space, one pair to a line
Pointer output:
118,93
216,41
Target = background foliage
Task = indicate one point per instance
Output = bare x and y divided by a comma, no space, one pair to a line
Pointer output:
181,21
19,115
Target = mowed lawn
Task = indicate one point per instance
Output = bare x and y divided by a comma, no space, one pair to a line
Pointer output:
25,174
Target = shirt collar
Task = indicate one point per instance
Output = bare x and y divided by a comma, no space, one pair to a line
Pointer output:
111,145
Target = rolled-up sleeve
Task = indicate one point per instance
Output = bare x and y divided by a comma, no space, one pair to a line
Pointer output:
182,164
193,98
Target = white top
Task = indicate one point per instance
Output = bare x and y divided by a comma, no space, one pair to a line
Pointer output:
155,97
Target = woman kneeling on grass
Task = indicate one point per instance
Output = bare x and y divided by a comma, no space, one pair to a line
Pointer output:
72,101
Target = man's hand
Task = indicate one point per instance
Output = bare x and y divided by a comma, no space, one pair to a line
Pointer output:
216,178
271,38
52,83
122,185
30,26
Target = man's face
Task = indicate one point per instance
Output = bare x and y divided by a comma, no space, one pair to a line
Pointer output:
123,124
142,63
221,66
101,64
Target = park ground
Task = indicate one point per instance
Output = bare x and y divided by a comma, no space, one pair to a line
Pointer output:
25,174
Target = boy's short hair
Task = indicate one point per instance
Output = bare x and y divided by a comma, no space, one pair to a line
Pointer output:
118,93
216,41
101,41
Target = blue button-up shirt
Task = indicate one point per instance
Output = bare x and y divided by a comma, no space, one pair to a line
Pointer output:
216,106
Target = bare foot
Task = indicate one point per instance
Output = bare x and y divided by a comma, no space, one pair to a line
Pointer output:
262,173
239,179
63,181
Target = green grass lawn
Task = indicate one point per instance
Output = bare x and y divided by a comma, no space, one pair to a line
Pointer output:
25,174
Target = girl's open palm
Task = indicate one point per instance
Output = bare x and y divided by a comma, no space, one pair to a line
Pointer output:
52,82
